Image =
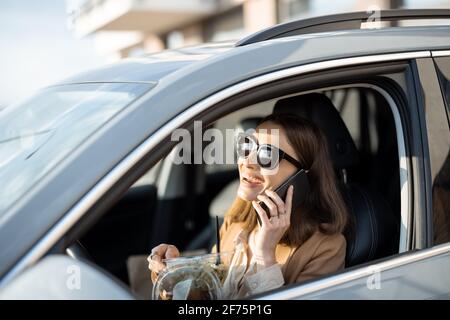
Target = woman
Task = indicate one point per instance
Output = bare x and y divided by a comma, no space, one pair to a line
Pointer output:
287,247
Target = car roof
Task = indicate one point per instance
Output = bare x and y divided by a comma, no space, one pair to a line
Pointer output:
310,48
151,67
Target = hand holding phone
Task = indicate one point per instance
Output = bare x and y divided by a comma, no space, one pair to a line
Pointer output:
301,188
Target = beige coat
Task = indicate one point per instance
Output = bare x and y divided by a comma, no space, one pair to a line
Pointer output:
320,255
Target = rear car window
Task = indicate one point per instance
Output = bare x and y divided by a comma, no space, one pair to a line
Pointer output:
441,156
443,68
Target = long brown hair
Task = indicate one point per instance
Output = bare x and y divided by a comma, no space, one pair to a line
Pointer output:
324,208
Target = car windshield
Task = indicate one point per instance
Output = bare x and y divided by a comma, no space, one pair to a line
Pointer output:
39,133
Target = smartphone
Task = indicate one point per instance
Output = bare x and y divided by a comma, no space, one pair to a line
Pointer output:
301,188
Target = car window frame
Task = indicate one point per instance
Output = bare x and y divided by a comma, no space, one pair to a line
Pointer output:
439,111
438,56
431,106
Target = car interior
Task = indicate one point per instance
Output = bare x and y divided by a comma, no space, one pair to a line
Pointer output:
178,204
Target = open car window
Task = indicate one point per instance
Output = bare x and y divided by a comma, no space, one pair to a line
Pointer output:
158,200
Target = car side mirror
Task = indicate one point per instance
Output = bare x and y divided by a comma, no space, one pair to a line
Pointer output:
61,277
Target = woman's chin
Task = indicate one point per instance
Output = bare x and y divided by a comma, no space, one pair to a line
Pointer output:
248,194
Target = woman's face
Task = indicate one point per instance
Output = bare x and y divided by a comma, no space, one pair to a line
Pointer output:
253,179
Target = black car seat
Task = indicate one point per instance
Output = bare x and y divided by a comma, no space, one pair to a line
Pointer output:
373,231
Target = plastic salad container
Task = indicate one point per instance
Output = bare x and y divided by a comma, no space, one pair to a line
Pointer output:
191,278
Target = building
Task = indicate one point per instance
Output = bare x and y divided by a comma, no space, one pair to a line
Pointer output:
125,28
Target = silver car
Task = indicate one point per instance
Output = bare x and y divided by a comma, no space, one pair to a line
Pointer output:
88,186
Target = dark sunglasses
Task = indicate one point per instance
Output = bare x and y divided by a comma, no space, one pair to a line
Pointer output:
267,155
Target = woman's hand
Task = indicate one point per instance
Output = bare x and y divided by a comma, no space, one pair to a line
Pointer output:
272,230
163,251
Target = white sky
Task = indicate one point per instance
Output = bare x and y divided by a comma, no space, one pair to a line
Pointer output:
37,49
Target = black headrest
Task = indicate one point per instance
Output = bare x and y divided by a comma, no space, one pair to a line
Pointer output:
249,123
374,229
320,110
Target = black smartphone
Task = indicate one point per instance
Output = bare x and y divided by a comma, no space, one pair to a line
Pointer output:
301,188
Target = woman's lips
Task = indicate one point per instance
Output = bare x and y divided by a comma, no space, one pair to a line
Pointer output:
252,182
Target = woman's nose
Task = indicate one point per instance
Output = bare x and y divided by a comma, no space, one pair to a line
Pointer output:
251,161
